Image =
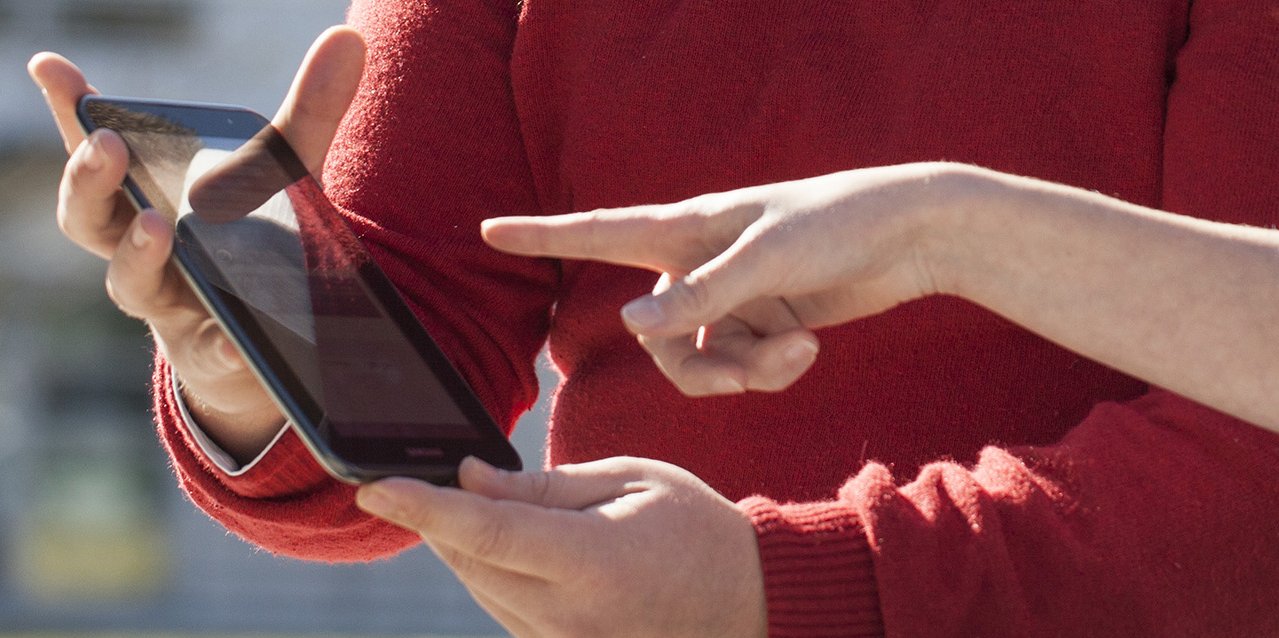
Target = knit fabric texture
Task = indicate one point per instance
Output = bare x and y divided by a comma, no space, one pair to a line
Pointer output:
940,471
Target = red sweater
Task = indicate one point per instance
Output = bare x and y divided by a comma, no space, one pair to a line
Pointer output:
947,473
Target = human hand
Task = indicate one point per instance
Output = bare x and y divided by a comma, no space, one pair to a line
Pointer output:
747,273
618,547
229,402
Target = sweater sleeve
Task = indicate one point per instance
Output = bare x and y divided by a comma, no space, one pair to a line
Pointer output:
430,147
1152,518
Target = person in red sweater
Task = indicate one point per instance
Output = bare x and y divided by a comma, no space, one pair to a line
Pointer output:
937,470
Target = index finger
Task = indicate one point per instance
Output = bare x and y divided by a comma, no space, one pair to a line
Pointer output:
63,85
625,237
674,238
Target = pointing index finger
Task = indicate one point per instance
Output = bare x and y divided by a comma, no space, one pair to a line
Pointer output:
625,237
668,238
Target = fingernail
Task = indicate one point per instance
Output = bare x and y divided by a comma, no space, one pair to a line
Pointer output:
478,468
801,353
139,236
643,313
727,385
94,156
375,499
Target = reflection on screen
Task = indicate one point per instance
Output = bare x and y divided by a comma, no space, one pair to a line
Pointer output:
272,242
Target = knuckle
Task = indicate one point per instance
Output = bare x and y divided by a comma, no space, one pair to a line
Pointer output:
66,216
130,291
122,300
493,539
692,296
79,225
417,516
461,564
671,372
699,209
540,486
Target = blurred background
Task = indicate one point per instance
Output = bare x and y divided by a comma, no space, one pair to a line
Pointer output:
95,538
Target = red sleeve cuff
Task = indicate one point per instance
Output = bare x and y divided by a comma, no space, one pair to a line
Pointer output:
286,503
819,577
286,467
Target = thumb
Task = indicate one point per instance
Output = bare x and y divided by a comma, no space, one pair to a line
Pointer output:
679,306
321,93
573,487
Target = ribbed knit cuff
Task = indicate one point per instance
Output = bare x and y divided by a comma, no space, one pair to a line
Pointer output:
286,468
819,580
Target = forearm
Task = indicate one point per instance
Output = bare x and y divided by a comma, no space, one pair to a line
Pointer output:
1183,303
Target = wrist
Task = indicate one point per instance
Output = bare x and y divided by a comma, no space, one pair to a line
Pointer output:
954,239
242,434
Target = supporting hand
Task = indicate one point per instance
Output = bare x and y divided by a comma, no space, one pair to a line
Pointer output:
618,547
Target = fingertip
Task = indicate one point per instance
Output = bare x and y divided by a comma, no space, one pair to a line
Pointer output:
111,141
54,73
344,35
779,361
491,231
103,149
376,499
322,91
389,498
680,307
643,315
91,154
139,236
346,49
508,234
667,313
801,352
136,279
474,474
38,66
36,62
151,229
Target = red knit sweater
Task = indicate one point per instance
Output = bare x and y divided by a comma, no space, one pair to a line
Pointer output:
947,472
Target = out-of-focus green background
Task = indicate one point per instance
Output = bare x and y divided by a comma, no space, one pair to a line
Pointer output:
95,538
